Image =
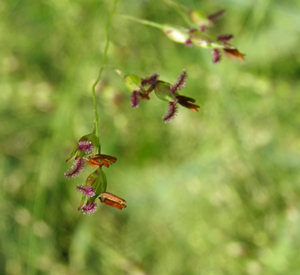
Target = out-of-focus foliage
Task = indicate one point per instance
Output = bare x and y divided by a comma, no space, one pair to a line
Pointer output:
214,192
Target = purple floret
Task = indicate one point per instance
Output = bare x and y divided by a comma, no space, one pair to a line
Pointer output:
171,112
89,208
88,191
179,83
76,169
85,146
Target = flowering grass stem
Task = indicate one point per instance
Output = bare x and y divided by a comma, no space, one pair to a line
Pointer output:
144,22
96,128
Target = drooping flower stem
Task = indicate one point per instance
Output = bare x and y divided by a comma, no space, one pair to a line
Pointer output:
144,22
182,10
96,129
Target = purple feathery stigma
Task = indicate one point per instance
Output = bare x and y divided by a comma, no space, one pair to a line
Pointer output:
135,99
85,146
216,56
216,15
188,43
171,113
224,38
150,80
88,191
76,169
179,83
203,28
89,208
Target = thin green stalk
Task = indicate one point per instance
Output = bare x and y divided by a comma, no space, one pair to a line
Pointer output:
144,22
214,44
182,10
116,70
96,127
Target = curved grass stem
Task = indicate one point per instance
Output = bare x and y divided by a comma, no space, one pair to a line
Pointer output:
96,127
144,22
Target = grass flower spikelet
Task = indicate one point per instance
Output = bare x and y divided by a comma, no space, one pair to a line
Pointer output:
76,169
87,191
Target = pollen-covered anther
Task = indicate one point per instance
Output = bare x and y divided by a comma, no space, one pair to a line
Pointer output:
100,160
85,146
76,169
89,208
186,102
179,83
171,113
87,191
112,200
150,80
234,54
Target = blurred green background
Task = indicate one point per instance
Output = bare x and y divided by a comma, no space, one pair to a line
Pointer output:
214,192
